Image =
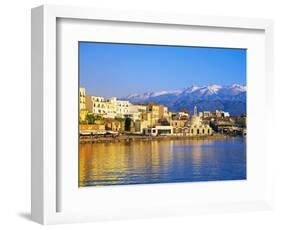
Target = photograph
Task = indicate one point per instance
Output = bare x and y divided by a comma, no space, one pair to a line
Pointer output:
151,113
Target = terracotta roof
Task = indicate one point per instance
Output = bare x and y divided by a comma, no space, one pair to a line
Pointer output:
152,103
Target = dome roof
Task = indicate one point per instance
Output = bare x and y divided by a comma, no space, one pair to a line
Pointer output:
196,120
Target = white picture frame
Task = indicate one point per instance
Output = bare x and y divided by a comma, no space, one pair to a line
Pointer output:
46,183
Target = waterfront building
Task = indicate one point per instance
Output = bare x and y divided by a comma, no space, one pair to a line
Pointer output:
108,108
96,105
197,127
140,125
92,129
114,125
154,109
82,94
178,123
159,130
122,107
119,108
158,111
134,112
147,116
181,131
89,103
82,104
111,105
154,113
152,118
230,125
163,112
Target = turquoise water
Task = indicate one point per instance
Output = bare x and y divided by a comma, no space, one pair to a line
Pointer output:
164,161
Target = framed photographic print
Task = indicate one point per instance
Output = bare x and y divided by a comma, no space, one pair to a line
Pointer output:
142,127
140,114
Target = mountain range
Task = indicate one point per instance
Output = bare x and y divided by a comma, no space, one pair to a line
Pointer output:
231,98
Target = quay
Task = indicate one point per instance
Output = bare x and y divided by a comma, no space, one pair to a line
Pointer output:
132,138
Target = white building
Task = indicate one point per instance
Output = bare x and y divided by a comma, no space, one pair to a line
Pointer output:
82,94
122,107
159,130
110,107
96,105
220,113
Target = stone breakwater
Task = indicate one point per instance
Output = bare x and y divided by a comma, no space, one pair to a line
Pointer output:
132,138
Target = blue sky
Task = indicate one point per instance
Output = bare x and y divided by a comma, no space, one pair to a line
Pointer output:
120,69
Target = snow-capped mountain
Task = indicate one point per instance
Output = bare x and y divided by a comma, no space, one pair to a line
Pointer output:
207,98
152,94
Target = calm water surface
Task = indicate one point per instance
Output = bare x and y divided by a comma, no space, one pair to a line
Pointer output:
145,162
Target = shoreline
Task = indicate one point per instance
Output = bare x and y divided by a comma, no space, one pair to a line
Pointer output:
133,138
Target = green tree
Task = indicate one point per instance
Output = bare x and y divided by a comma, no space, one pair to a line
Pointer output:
90,118
98,117
128,124
120,119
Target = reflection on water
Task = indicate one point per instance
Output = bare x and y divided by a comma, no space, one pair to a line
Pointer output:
164,161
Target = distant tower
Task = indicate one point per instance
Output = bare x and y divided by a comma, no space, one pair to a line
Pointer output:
195,110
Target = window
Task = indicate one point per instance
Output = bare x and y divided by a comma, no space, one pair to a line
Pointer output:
198,131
